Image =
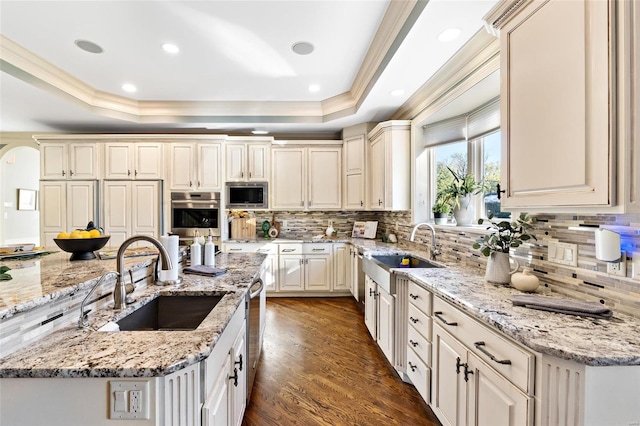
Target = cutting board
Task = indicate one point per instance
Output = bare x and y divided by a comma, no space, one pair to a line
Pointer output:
243,228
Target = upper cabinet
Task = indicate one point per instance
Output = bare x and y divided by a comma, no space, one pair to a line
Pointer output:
133,160
195,166
354,173
389,172
565,105
247,162
63,160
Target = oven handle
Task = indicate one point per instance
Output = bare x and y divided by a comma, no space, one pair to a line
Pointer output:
256,293
211,202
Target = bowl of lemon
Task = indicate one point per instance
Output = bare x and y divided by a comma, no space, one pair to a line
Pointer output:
81,243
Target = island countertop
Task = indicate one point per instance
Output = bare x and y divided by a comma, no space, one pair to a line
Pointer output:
71,352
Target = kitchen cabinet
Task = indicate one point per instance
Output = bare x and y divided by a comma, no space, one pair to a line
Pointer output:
379,317
306,178
142,160
342,267
305,267
388,173
418,338
65,206
354,173
270,272
131,208
195,166
63,160
247,162
356,280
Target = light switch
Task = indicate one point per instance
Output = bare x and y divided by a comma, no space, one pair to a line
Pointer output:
563,253
560,255
129,399
552,250
568,254
120,401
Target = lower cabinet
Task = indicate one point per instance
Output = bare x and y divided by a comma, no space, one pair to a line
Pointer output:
305,267
342,267
379,316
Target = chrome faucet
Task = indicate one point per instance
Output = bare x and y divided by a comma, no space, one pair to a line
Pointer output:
84,316
120,291
434,248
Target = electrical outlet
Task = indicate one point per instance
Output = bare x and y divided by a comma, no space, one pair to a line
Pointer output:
618,268
635,266
284,223
129,399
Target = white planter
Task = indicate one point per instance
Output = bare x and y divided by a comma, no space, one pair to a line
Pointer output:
464,214
498,268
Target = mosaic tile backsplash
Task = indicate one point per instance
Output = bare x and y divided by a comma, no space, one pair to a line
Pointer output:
588,278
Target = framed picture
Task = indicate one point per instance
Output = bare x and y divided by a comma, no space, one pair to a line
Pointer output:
26,199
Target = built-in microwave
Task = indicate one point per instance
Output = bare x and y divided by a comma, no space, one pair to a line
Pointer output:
247,195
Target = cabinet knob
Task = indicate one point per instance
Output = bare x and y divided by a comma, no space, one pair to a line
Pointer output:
413,296
414,344
412,367
413,320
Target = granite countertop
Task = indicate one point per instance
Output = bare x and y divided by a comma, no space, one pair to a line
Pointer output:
86,353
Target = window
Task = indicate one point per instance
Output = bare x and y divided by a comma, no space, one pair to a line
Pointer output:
491,174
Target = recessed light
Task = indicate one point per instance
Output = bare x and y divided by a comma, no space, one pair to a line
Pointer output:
450,34
302,47
260,132
128,87
314,88
170,48
397,92
88,46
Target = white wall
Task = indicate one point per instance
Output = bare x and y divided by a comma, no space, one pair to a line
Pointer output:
19,168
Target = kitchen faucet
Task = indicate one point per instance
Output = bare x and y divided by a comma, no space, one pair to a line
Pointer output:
434,248
120,291
84,316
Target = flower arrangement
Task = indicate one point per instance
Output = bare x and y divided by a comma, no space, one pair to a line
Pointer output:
505,234
461,186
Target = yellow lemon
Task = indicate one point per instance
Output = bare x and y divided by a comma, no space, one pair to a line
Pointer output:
94,233
63,235
76,234
85,234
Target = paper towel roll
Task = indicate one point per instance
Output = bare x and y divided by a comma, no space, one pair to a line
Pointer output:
171,243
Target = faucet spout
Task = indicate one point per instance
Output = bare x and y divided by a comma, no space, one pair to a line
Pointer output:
434,248
120,292
84,316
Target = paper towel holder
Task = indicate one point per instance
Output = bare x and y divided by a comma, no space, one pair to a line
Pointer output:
608,245
156,277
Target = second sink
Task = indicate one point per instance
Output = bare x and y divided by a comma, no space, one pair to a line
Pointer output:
394,261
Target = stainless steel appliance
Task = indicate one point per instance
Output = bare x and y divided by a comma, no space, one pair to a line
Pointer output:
195,211
247,195
255,320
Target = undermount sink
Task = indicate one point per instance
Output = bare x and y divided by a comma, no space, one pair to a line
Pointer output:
378,268
395,261
165,313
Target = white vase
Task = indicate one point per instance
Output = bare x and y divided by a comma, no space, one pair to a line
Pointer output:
464,214
498,268
525,280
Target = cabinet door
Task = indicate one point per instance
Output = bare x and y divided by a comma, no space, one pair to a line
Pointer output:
354,155
386,323
269,276
354,199
493,400
148,161
53,160
448,391
376,174
238,382
117,211
145,209
324,184
83,161
209,171
342,267
182,173
317,273
235,162
258,162
288,181
53,211
370,307
118,161
81,204
291,273
555,94
216,410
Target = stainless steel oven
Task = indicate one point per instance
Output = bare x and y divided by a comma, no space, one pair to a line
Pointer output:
195,211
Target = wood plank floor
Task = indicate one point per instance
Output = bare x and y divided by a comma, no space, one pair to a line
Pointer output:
319,366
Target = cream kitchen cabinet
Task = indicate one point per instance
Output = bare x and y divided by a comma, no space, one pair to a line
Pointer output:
133,160
306,178
356,279
305,267
270,272
65,206
379,317
63,160
247,162
131,208
342,267
354,173
418,338
195,166
388,172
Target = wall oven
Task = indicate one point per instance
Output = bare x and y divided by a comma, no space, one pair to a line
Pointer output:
195,211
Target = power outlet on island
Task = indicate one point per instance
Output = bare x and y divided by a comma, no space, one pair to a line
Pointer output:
635,266
618,269
129,399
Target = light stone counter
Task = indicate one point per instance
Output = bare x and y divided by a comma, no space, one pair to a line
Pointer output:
86,353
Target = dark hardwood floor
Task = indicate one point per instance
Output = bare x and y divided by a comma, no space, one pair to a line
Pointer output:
319,366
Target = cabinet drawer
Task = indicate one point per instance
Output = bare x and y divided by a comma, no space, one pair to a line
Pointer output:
250,248
290,248
420,321
317,248
420,345
420,297
507,357
419,374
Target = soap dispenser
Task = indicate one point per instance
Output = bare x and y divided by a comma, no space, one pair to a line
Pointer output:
329,232
196,251
209,252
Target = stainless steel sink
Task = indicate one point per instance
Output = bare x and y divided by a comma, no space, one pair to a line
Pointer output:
170,313
395,261
378,268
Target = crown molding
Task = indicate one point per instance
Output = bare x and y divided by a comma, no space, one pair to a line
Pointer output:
502,13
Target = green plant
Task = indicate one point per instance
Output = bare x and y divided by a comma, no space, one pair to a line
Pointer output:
442,204
4,276
505,234
461,186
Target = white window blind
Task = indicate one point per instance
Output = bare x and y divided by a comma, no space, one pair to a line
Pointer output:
445,131
484,120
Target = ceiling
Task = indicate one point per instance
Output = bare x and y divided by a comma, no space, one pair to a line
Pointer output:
236,70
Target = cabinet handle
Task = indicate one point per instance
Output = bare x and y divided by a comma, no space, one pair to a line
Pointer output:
235,249
63,173
198,184
288,250
458,365
239,362
190,184
318,249
467,372
414,344
379,202
301,262
135,173
306,261
242,174
249,175
128,172
413,296
437,314
301,203
412,367
480,346
361,203
413,320
499,191
234,377
70,172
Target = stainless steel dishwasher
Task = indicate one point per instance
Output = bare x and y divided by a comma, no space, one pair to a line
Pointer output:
255,305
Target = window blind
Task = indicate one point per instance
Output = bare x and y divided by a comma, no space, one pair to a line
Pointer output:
484,120
445,131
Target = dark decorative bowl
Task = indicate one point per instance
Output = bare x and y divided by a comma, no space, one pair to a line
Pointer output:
82,248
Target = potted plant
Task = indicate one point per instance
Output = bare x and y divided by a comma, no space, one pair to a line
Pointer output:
496,245
459,191
441,209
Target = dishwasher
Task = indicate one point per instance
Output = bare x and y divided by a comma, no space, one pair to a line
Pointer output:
256,304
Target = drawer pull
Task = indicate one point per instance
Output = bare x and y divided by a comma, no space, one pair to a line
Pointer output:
413,296
413,320
414,344
235,249
318,249
437,314
412,367
288,250
479,346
